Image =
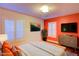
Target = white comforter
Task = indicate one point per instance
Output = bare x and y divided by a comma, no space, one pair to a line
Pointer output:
30,50
50,48
42,49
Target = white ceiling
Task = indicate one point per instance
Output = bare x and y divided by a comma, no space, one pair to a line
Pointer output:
56,9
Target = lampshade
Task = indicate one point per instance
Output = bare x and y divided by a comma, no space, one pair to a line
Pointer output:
3,37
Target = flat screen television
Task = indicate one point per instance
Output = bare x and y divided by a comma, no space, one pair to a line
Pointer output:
69,27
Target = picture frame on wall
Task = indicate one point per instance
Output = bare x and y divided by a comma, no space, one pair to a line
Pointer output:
34,26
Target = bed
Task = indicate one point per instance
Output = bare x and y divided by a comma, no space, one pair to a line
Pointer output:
30,50
39,48
42,48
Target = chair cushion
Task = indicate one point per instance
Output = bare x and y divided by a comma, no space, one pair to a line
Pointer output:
6,44
7,52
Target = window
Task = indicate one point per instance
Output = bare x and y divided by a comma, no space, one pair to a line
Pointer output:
52,29
9,29
19,29
14,29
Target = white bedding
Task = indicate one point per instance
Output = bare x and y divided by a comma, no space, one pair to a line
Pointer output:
42,48
30,50
50,48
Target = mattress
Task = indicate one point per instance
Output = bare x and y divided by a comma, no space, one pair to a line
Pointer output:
53,49
30,50
42,48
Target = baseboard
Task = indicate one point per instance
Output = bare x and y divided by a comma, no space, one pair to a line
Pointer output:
53,41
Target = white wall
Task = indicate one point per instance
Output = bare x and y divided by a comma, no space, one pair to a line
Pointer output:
8,14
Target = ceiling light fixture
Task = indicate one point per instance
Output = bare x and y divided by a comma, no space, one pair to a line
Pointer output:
44,9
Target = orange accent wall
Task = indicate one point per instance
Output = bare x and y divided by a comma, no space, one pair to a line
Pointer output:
62,19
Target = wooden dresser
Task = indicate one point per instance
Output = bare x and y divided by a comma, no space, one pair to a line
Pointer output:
69,40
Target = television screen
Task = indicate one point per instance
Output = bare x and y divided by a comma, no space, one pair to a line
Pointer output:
69,27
